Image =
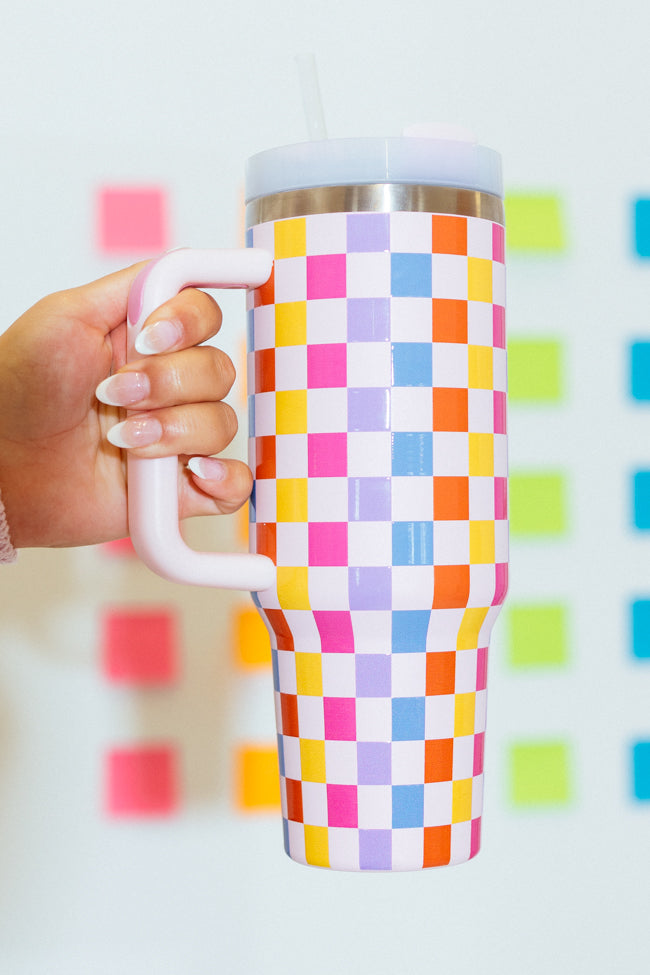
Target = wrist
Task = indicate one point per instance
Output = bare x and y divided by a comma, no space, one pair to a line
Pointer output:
7,551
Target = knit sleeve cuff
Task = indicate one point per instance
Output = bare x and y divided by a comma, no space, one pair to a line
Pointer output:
7,551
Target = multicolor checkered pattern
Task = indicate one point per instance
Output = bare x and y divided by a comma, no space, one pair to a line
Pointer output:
377,381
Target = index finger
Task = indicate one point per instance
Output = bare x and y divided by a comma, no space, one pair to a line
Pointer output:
189,318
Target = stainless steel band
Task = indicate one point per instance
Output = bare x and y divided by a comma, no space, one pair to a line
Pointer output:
375,197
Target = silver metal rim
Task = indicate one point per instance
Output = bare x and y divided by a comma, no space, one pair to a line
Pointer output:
375,198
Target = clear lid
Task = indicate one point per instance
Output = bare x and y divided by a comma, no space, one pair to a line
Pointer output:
456,161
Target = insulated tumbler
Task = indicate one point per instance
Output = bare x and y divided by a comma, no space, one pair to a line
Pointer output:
379,535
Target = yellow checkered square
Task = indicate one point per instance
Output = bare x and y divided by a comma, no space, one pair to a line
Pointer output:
290,238
470,627
481,542
291,498
293,587
481,455
479,279
317,846
312,760
309,674
291,323
461,801
291,411
480,367
464,708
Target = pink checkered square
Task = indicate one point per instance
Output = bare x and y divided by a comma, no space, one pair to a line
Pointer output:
335,630
328,543
340,718
327,454
326,366
342,806
326,277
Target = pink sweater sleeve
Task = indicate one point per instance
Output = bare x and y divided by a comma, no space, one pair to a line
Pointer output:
7,551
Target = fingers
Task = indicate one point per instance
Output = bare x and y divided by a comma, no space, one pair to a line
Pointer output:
188,319
215,486
195,428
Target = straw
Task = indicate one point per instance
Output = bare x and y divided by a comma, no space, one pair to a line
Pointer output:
311,97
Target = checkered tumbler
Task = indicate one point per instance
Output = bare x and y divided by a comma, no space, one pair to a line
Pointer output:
377,379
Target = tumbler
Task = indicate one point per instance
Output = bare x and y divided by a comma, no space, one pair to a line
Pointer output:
378,520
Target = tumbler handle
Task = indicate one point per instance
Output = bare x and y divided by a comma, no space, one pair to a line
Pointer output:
153,484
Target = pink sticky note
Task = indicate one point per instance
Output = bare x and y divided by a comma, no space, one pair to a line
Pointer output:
141,781
140,646
132,219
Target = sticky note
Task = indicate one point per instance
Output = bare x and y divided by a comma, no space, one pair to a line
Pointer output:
141,781
640,370
535,371
534,223
140,646
641,500
538,504
537,636
540,773
257,781
640,629
252,644
641,770
641,227
132,219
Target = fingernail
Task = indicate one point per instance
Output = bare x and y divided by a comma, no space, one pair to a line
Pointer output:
123,389
207,468
135,432
159,337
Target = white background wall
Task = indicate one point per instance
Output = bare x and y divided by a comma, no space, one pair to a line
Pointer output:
179,94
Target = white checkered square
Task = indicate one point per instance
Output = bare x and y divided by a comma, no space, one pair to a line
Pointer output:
408,676
368,275
499,370
412,498
410,319
295,835
370,628
375,807
443,631
450,454
327,320
374,719
412,586
463,760
498,283
314,803
411,404
291,750
450,365
328,586
439,715
341,759
327,410
480,324
326,233
501,541
407,762
500,455
480,707
465,674
292,543
449,276
311,717
461,842
290,276
291,367
265,500
264,328
481,582
343,848
451,542
291,455
481,498
479,238
302,624
369,454
480,410
327,499
264,411
410,232
370,542
408,849
477,796
287,672
264,236
339,677
438,799
369,364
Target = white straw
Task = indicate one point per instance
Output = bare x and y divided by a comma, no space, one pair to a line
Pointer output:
311,98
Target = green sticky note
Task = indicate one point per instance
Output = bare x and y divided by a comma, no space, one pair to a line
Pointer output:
540,773
534,223
537,636
538,504
534,371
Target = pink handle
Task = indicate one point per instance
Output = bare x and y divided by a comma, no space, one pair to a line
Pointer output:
153,484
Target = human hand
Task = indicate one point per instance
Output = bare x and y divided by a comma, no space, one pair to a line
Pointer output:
62,480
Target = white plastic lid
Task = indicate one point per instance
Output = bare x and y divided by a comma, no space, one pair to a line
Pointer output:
457,161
